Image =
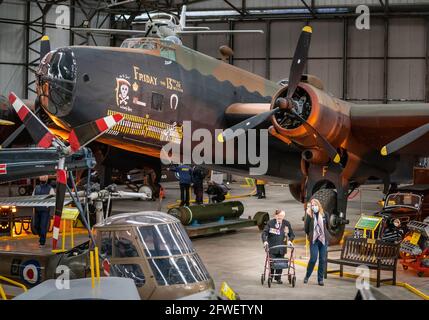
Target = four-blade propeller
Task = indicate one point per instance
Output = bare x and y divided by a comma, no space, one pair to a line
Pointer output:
78,138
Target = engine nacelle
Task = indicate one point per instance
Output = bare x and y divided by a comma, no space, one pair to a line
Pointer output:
328,115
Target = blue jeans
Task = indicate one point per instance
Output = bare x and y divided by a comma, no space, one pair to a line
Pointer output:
317,248
41,224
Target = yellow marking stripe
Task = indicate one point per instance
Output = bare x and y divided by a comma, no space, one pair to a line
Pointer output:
143,126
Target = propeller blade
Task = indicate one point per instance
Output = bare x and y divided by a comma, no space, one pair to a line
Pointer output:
45,47
321,140
148,31
299,59
88,132
35,127
249,123
404,140
59,204
148,15
6,122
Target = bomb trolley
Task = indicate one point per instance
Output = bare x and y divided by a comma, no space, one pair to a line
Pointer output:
287,263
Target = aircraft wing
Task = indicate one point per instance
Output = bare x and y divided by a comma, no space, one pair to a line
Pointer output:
402,128
217,31
31,201
110,31
144,32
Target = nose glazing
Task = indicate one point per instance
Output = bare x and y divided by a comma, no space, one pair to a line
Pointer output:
56,79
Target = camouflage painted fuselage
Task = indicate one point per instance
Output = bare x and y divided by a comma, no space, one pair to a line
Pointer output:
157,85
157,88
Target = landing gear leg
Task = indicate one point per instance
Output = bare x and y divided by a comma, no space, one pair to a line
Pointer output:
105,176
332,192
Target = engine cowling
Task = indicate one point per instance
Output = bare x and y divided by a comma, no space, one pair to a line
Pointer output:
328,115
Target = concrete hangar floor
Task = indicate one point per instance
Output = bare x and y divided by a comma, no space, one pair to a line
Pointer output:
237,258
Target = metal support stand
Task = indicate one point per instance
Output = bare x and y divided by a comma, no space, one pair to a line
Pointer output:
79,207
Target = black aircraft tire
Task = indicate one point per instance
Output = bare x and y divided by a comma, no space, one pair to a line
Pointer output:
328,200
261,218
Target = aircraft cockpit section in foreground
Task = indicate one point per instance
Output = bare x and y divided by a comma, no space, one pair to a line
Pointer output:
154,250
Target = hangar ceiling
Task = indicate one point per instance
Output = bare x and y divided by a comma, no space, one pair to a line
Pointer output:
387,63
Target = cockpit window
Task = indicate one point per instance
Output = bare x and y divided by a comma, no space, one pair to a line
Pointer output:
132,271
61,78
165,47
167,51
165,240
141,43
179,270
171,256
124,246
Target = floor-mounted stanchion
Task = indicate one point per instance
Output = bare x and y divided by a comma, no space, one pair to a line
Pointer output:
94,266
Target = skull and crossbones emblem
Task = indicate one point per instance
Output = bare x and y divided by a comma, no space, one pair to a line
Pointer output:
122,91
123,94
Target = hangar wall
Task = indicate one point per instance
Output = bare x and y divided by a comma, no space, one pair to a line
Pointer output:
275,4
14,38
363,66
387,63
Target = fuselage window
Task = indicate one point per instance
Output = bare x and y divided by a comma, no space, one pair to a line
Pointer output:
124,246
132,271
157,101
106,244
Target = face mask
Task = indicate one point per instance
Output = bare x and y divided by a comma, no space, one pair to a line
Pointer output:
315,208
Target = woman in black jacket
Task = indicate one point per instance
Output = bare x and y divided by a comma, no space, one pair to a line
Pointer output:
315,227
274,234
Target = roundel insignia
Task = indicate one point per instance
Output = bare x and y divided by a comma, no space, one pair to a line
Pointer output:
30,272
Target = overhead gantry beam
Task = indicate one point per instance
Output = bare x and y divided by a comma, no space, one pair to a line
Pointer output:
242,12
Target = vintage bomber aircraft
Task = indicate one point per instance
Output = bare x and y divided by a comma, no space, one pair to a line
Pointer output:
322,146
